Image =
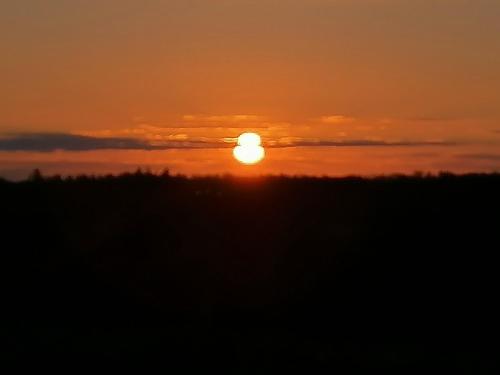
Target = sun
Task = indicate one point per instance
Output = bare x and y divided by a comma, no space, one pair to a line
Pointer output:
249,150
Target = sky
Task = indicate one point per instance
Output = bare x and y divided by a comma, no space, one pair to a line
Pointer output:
334,87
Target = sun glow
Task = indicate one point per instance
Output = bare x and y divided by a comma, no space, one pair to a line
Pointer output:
249,150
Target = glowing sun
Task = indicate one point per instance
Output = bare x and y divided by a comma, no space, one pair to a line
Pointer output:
249,150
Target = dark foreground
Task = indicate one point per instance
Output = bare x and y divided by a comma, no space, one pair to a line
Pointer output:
304,275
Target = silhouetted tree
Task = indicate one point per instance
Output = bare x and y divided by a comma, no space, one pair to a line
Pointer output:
35,176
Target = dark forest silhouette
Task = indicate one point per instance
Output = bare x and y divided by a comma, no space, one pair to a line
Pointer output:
393,273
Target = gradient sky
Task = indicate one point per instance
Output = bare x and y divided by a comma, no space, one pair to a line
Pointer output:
333,86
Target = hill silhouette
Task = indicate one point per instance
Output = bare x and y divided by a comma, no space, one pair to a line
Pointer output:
396,273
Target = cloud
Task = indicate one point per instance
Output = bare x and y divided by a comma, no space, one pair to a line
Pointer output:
336,119
234,120
480,156
212,121
47,142
303,142
432,118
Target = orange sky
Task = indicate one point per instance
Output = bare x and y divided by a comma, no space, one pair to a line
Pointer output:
334,86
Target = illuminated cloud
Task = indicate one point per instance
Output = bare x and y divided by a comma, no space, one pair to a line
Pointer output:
336,119
233,119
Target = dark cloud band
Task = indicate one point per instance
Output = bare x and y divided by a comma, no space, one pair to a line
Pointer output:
47,142
361,143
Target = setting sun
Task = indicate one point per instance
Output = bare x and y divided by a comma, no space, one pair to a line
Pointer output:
249,150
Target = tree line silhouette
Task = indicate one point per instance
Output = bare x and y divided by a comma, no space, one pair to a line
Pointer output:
396,273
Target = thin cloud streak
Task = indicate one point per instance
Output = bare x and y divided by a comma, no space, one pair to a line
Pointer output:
223,118
337,119
480,156
357,143
238,121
